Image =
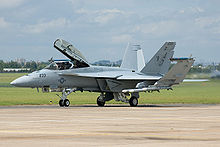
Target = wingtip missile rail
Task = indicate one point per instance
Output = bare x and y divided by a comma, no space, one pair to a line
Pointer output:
180,59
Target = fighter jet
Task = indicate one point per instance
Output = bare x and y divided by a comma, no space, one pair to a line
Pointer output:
119,83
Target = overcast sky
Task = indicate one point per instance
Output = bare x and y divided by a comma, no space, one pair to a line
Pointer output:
101,29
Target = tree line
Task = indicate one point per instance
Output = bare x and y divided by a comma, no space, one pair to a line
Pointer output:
200,68
32,65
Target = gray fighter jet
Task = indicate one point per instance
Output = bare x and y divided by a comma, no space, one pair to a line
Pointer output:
118,83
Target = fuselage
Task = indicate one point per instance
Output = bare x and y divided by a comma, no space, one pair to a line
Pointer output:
60,79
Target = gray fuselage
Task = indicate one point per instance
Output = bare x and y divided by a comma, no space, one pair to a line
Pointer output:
69,78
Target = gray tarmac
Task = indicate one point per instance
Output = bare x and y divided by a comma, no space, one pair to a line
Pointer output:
114,125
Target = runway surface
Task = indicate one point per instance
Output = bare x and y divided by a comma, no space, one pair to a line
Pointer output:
114,125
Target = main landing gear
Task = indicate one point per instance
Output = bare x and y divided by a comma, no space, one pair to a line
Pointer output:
100,101
133,101
64,102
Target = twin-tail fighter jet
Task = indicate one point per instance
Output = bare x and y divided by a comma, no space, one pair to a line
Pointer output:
119,83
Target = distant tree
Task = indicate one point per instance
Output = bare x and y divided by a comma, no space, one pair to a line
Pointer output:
195,69
199,68
12,64
27,65
42,65
1,65
33,66
36,66
218,67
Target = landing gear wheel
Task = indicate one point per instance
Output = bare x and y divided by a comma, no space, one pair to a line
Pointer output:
66,103
100,103
133,101
61,103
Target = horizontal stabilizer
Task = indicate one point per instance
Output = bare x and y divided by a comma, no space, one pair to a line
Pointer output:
177,73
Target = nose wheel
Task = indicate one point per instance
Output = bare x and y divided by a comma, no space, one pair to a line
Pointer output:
64,103
61,103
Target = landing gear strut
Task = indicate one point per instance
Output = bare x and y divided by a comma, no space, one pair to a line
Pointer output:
64,102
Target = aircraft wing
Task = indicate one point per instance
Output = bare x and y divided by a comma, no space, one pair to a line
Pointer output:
138,77
114,81
93,75
71,52
114,75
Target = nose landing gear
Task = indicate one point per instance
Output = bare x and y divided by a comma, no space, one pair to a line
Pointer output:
64,102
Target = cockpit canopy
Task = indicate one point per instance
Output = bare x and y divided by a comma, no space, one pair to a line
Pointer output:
60,65
71,52
77,60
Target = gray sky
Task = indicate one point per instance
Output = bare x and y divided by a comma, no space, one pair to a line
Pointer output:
101,29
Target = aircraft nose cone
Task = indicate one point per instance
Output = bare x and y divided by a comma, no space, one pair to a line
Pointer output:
20,82
17,82
13,83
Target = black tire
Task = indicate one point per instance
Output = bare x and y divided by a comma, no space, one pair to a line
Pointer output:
66,103
100,103
61,103
133,101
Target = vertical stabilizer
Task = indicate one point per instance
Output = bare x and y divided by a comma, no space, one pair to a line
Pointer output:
133,58
160,62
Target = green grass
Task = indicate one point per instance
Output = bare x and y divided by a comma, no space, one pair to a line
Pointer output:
23,96
198,76
191,93
6,78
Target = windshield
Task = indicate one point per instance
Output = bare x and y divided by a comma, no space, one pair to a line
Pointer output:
52,66
60,65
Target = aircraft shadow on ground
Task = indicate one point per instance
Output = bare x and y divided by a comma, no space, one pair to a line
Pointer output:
139,106
85,106
107,106
148,105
